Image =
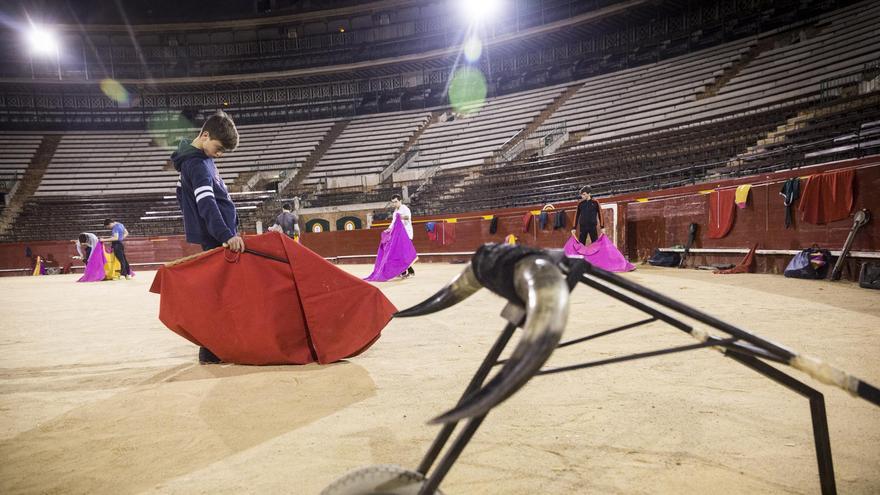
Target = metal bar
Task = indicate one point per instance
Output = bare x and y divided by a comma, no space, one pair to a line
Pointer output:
595,335
477,380
606,332
451,455
689,312
632,357
817,412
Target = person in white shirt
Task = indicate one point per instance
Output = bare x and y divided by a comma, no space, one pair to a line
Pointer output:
85,245
402,211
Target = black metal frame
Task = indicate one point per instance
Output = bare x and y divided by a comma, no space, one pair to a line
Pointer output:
741,346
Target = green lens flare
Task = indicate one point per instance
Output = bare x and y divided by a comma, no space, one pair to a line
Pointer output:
467,91
169,127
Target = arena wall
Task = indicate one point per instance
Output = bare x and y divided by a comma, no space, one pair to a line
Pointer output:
644,222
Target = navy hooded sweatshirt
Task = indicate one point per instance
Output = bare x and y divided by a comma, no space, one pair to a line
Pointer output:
208,214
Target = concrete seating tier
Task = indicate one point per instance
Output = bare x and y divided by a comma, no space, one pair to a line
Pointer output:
368,144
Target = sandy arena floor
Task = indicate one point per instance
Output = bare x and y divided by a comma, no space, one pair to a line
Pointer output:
96,396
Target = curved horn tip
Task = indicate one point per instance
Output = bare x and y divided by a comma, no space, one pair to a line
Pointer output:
462,286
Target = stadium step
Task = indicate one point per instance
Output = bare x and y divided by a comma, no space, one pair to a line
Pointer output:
295,181
30,182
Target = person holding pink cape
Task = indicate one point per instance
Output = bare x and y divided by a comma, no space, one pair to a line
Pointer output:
602,254
94,271
396,250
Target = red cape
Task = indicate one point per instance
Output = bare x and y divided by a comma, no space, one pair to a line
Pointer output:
722,212
827,197
251,310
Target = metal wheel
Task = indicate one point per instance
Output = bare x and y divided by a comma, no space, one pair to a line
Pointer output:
383,479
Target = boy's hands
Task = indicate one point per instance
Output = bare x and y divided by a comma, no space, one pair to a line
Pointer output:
235,244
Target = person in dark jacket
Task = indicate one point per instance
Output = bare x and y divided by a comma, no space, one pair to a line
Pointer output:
209,217
288,221
588,218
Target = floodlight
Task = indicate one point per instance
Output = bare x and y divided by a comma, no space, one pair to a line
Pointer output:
42,41
478,11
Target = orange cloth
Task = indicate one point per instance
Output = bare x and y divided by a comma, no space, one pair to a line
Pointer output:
251,310
747,265
827,197
722,212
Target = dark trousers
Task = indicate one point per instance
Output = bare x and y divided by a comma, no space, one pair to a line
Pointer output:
205,354
88,253
119,251
588,228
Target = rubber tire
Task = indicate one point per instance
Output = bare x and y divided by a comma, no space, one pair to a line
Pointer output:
382,479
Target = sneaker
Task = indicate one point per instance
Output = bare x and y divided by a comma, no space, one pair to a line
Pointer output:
128,277
208,357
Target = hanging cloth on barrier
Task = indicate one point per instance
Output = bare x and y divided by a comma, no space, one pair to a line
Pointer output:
791,191
493,225
827,197
447,235
559,221
742,195
526,221
722,212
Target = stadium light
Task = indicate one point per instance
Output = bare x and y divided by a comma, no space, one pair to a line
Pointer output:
478,11
42,41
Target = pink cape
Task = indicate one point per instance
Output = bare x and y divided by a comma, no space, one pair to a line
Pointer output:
602,253
396,254
94,271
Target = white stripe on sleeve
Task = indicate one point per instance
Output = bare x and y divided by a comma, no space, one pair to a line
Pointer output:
206,194
199,190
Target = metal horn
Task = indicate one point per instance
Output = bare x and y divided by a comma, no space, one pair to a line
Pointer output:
462,286
540,283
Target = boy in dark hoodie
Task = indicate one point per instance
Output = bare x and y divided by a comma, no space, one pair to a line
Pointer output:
209,217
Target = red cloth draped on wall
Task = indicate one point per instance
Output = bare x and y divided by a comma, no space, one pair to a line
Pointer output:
252,310
448,233
527,221
722,212
827,197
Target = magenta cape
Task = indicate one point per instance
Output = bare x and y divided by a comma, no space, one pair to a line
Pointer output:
94,271
602,253
396,253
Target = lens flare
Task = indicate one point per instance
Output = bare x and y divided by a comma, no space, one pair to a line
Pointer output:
168,127
473,48
467,91
115,91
